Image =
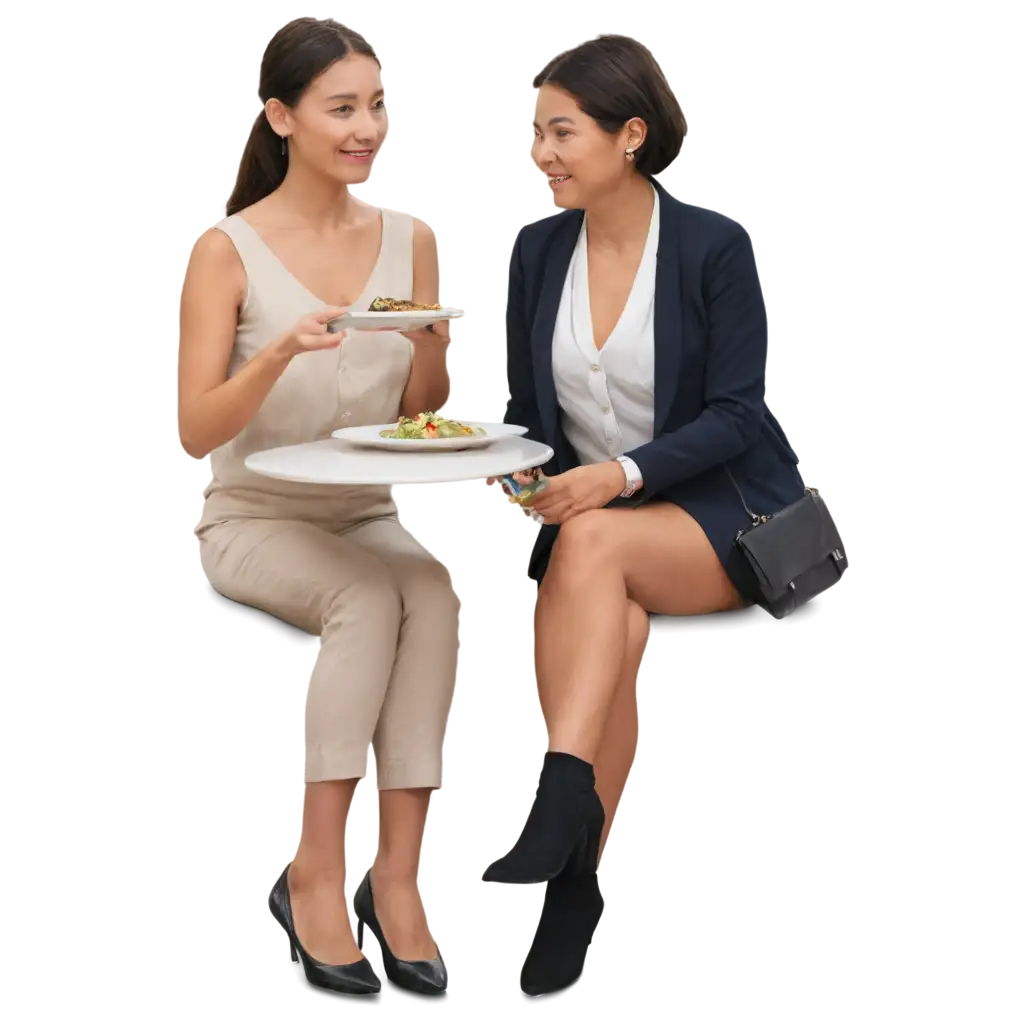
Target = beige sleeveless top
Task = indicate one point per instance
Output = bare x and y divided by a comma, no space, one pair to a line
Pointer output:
359,382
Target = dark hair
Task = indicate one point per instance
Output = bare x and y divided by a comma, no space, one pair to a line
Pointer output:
299,53
615,78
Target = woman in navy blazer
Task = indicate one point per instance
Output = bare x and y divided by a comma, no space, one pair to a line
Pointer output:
649,529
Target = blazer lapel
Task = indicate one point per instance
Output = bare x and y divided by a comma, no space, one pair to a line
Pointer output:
554,271
668,312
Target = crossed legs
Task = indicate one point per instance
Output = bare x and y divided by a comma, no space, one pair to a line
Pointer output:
608,570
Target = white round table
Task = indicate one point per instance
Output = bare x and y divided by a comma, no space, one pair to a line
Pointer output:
333,461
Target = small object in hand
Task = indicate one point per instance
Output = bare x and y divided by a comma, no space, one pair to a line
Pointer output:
523,493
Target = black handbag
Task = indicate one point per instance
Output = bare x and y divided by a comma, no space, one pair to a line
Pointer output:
795,554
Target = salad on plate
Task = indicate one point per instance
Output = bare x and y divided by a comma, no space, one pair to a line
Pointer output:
428,426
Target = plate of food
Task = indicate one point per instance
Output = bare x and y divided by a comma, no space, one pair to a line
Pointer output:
428,432
387,314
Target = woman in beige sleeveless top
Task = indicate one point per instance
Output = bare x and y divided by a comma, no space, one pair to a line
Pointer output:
258,369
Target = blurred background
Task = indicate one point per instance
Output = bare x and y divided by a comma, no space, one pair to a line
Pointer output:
147,748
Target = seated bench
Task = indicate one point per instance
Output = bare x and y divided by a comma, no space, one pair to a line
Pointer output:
967,603
863,610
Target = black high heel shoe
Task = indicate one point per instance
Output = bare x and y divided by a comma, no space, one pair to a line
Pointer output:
355,979
564,811
427,977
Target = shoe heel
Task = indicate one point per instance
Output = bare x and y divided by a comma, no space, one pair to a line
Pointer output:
594,850
359,918
295,955
588,850
578,862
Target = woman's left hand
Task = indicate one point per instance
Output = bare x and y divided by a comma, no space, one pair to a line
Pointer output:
434,336
579,490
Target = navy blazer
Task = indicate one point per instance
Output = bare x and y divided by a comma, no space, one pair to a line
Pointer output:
710,337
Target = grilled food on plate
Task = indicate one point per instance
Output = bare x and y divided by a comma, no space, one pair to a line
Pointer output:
386,305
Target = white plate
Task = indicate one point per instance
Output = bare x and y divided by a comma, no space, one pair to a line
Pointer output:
333,462
369,437
357,320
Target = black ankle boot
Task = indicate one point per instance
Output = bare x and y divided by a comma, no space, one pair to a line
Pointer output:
558,952
572,909
564,811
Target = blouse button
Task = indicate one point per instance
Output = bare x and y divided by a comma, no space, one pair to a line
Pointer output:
595,368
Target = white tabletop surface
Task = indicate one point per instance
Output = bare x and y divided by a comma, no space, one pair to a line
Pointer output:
333,461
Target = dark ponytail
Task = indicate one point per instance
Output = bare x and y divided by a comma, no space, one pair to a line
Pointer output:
262,168
298,54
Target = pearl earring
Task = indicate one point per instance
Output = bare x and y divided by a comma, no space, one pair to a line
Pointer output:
629,154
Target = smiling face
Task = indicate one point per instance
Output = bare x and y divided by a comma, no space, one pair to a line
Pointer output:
582,161
340,123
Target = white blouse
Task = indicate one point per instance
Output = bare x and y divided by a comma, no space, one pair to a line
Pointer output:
606,394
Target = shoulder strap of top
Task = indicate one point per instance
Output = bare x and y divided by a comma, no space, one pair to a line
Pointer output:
256,256
397,227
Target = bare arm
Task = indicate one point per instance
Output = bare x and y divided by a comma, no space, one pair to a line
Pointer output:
428,385
213,408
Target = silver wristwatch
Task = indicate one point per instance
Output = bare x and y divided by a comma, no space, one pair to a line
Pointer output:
634,481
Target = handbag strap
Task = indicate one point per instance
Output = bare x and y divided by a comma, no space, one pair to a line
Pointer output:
754,517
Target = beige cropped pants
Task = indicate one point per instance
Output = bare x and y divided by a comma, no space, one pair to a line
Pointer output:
387,618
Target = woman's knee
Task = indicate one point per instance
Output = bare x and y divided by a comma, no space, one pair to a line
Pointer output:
373,595
586,539
426,587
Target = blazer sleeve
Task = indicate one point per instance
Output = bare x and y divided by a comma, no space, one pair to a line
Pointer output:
522,408
734,374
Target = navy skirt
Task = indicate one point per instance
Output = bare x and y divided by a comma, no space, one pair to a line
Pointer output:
739,573
713,502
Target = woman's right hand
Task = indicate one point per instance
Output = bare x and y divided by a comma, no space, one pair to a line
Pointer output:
310,334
